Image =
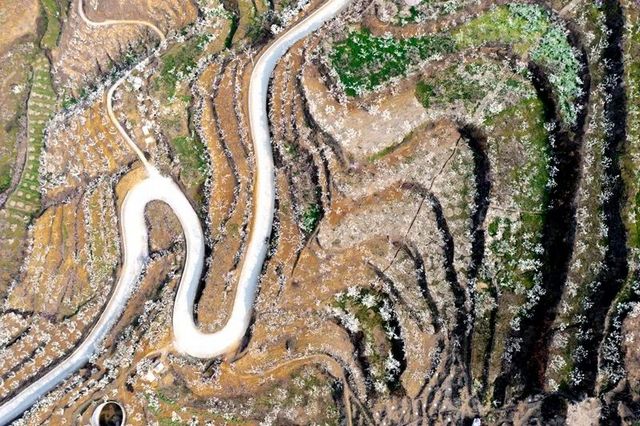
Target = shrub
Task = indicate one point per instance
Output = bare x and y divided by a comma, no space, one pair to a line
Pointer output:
310,218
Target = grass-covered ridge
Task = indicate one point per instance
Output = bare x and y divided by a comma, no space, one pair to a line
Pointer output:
25,201
364,62
469,83
532,31
41,105
178,64
631,174
51,14
192,157
514,245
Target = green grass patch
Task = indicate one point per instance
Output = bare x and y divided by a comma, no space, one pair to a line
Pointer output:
530,30
391,148
424,93
228,41
364,61
167,421
51,11
520,26
310,218
383,153
291,149
257,27
191,154
8,156
178,64
5,178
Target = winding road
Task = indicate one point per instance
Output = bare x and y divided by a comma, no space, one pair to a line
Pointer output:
135,243
188,339
114,87
111,22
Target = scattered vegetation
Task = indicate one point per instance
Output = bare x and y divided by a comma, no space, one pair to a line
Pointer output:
515,244
426,10
178,65
470,83
531,31
364,61
310,218
305,390
368,312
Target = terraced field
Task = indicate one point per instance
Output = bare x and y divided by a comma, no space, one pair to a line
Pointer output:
25,201
454,237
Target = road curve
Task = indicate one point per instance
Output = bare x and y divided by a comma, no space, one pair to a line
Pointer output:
110,22
135,243
135,247
121,130
188,339
114,87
